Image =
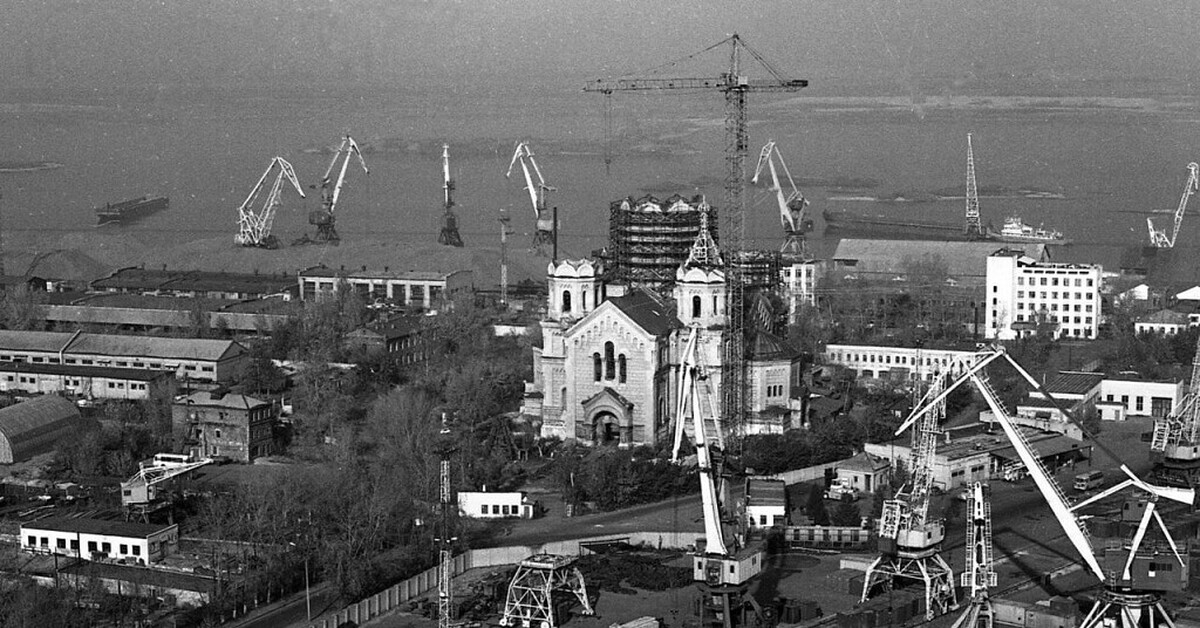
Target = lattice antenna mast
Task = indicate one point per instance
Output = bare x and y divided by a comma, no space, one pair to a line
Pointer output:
446,539
505,230
736,87
973,226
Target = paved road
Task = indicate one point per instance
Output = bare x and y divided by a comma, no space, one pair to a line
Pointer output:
293,611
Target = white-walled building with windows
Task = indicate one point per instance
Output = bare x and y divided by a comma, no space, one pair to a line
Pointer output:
799,287
495,505
100,539
875,361
1023,293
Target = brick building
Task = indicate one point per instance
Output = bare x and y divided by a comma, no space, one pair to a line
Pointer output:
224,424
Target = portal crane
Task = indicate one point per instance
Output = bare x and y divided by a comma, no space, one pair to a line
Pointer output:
140,493
331,189
792,216
545,232
722,570
1160,238
736,86
909,541
449,234
1175,444
254,227
1130,570
979,575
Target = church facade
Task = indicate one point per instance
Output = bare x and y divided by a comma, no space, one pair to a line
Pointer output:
607,370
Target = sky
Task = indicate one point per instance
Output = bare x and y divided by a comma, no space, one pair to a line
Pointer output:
519,44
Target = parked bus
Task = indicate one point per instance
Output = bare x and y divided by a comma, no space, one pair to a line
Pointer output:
1088,481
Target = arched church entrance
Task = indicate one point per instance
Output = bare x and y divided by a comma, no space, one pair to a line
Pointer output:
606,429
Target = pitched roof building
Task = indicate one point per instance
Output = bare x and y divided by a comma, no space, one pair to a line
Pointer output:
192,358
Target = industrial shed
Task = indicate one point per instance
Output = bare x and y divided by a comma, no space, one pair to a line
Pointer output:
33,427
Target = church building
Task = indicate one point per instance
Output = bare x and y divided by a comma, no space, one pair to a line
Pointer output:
607,370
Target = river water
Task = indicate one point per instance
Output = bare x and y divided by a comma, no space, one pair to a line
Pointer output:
1112,159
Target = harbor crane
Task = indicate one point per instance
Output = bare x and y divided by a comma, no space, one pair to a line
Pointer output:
141,495
1133,572
721,568
1159,238
546,229
1175,443
449,234
254,227
736,86
910,541
792,216
324,219
979,576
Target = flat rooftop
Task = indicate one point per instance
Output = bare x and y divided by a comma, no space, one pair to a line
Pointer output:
128,529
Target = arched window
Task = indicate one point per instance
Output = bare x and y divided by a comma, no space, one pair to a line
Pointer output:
716,310
596,367
696,306
583,301
566,301
610,367
621,368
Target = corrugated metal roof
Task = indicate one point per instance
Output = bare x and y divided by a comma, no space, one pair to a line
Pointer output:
37,414
1074,383
144,346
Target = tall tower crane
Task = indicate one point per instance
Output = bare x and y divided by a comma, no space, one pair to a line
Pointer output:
544,234
736,86
909,541
979,576
1175,444
722,570
1130,571
973,227
254,227
1160,238
446,448
449,234
792,216
331,189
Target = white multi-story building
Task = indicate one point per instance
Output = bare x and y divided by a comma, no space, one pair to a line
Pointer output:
1023,293
800,286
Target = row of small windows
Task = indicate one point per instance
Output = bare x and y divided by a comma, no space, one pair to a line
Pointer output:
887,359
73,382
1087,320
1053,281
1054,295
499,509
607,367
775,390
105,547
1054,307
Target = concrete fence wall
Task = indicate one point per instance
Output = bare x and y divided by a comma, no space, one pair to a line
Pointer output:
417,586
807,474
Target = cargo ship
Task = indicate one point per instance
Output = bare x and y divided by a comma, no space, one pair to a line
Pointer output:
895,227
129,211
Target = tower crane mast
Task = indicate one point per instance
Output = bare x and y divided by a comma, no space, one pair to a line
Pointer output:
254,227
1159,238
792,215
324,219
736,86
544,223
449,234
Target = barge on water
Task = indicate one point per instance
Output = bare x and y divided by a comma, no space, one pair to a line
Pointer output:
894,227
129,211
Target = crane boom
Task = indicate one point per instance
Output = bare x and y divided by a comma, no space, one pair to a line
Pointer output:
449,234
544,222
254,227
690,394
791,207
1158,237
331,190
